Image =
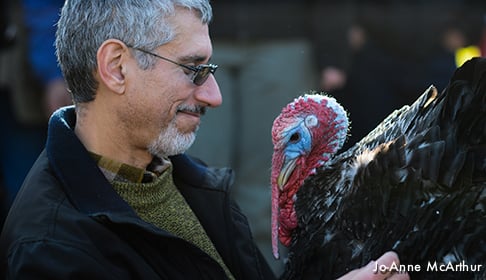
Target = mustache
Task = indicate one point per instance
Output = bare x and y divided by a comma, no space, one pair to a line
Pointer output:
197,109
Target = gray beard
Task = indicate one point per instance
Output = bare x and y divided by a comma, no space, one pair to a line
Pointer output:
171,142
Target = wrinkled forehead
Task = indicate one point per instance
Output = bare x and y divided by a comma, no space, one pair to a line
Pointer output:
191,34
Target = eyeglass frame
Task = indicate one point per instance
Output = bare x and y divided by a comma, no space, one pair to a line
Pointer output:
201,71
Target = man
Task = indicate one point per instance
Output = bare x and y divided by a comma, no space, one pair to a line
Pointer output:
112,196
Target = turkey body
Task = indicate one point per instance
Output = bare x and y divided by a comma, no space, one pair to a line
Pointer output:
415,185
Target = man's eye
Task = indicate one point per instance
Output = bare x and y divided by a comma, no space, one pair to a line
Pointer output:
187,71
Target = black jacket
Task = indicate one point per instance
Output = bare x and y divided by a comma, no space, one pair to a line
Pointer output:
68,223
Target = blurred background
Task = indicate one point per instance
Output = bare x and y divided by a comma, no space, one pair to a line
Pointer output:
372,56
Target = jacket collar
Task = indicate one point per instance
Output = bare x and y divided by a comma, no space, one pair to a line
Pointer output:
193,172
81,179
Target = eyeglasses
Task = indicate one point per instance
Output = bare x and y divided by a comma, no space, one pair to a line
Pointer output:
201,72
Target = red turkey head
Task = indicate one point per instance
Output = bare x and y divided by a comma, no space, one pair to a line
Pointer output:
305,135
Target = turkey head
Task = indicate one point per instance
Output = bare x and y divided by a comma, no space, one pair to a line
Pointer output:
305,135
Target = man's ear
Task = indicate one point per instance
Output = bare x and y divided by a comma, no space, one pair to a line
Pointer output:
111,58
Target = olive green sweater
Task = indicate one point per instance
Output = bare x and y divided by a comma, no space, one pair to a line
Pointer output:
160,203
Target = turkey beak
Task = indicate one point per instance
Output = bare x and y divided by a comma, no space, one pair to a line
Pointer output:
285,173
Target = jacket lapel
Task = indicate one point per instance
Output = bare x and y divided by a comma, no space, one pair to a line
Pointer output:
206,191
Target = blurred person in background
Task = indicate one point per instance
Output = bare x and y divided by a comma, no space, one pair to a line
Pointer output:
31,87
40,18
7,36
393,52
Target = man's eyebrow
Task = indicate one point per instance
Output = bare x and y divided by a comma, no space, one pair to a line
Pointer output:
193,58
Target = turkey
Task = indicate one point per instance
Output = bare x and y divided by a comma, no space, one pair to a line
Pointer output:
414,185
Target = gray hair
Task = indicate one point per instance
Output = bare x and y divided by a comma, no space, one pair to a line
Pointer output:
85,24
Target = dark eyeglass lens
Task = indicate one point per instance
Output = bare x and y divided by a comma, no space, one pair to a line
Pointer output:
199,79
202,75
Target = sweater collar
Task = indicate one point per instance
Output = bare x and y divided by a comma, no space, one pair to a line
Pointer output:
118,171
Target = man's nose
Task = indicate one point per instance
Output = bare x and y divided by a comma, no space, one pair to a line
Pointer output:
209,93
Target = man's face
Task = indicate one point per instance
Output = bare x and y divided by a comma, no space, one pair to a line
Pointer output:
165,106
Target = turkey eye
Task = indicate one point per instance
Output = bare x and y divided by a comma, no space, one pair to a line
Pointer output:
294,138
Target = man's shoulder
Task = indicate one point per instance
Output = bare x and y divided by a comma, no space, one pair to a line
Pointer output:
40,186
39,208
